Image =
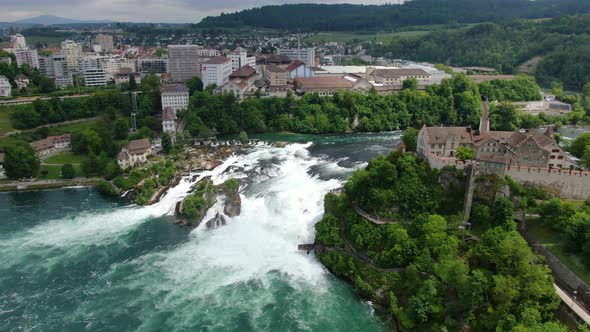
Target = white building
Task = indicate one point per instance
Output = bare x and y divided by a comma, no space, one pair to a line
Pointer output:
105,42
169,120
73,53
134,153
95,77
183,62
17,41
114,66
61,72
305,55
240,58
27,56
216,71
5,88
175,97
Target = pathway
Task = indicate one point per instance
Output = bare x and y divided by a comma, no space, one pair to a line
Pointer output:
49,125
573,305
375,220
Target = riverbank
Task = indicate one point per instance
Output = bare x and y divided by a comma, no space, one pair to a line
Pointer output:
48,184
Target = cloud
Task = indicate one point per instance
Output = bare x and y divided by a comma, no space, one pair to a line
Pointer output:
177,11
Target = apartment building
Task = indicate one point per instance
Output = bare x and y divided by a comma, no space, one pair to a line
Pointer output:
5,88
175,97
27,56
239,58
275,75
106,42
152,65
305,55
183,62
216,71
73,53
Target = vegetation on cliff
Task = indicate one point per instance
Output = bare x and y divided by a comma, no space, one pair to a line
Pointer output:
424,268
195,205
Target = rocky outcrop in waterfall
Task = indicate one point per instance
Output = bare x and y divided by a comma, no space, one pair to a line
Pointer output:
233,202
193,208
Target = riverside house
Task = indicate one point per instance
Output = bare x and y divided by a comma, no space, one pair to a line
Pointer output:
134,153
51,144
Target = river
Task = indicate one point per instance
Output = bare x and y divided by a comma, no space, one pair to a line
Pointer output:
71,260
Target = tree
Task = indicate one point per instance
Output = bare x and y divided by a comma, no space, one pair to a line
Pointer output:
166,143
504,117
194,84
132,83
410,139
68,171
410,84
121,129
586,157
502,213
465,153
557,89
579,145
243,137
20,161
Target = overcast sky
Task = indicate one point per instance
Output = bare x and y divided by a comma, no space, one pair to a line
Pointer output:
178,11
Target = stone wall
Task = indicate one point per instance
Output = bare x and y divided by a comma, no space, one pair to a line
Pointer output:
570,184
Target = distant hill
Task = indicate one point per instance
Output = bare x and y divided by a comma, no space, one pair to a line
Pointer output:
347,17
54,20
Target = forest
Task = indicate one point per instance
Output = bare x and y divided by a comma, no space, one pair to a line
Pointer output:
346,17
456,101
424,268
561,46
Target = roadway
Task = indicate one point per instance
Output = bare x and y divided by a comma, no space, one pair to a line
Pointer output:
573,305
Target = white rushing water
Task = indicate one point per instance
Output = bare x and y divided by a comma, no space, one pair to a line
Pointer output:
248,270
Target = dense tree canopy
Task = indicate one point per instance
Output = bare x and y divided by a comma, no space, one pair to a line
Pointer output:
346,17
20,161
437,280
558,49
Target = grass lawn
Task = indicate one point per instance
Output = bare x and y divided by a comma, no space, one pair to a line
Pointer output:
49,40
555,242
73,127
65,158
54,172
5,125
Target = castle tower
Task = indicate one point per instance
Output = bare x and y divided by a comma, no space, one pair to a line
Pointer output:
549,131
484,122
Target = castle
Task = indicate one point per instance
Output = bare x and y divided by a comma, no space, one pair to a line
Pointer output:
494,150
527,157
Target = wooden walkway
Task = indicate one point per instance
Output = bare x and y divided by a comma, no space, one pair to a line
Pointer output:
375,220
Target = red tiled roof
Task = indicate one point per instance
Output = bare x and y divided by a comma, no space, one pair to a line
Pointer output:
296,64
243,72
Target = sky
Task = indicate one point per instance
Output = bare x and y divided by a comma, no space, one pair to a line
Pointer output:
174,11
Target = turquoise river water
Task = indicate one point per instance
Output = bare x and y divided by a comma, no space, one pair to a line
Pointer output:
71,260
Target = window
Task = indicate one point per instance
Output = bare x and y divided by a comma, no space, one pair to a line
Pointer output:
559,157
